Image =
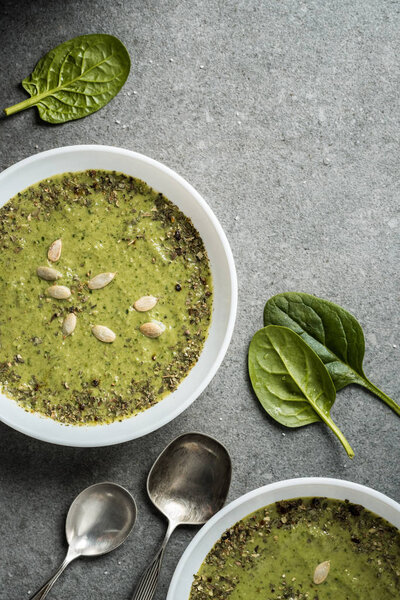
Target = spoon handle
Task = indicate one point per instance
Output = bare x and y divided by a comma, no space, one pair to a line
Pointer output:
149,579
44,590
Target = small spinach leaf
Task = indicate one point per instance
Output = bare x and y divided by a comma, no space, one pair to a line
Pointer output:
332,332
76,78
291,381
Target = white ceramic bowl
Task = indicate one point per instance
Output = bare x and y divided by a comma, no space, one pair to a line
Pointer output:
163,179
282,490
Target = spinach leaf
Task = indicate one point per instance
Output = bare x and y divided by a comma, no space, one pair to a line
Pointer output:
290,381
76,78
332,332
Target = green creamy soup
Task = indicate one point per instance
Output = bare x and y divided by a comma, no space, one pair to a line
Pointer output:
277,552
108,223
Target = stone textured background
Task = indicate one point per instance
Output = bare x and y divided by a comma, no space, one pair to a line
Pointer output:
285,116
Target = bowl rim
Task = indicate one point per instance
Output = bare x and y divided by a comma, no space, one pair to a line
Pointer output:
188,556
232,310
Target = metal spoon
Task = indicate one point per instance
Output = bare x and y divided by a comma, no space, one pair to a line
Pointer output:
99,520
188,483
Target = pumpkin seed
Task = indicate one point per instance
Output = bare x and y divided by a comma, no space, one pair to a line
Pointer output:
321,572
48,273
54,251
145,303
69,324
60,292
104,334
153,329
100,281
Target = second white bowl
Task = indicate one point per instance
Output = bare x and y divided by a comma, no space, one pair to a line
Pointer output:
210,533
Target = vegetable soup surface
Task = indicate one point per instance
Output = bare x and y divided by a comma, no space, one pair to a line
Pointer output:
110,360
304,549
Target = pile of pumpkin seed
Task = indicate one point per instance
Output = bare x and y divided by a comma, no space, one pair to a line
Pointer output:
152,329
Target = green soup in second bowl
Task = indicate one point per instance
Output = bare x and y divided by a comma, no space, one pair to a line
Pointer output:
304,549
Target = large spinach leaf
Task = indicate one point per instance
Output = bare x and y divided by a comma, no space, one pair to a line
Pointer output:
76,78
290,381
332,332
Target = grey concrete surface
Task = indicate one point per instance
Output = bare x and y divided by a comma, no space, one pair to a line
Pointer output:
285,116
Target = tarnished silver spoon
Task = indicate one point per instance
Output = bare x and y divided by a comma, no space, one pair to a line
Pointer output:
99,520
188,483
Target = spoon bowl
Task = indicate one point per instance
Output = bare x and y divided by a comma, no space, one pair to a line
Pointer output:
189,481
100,519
